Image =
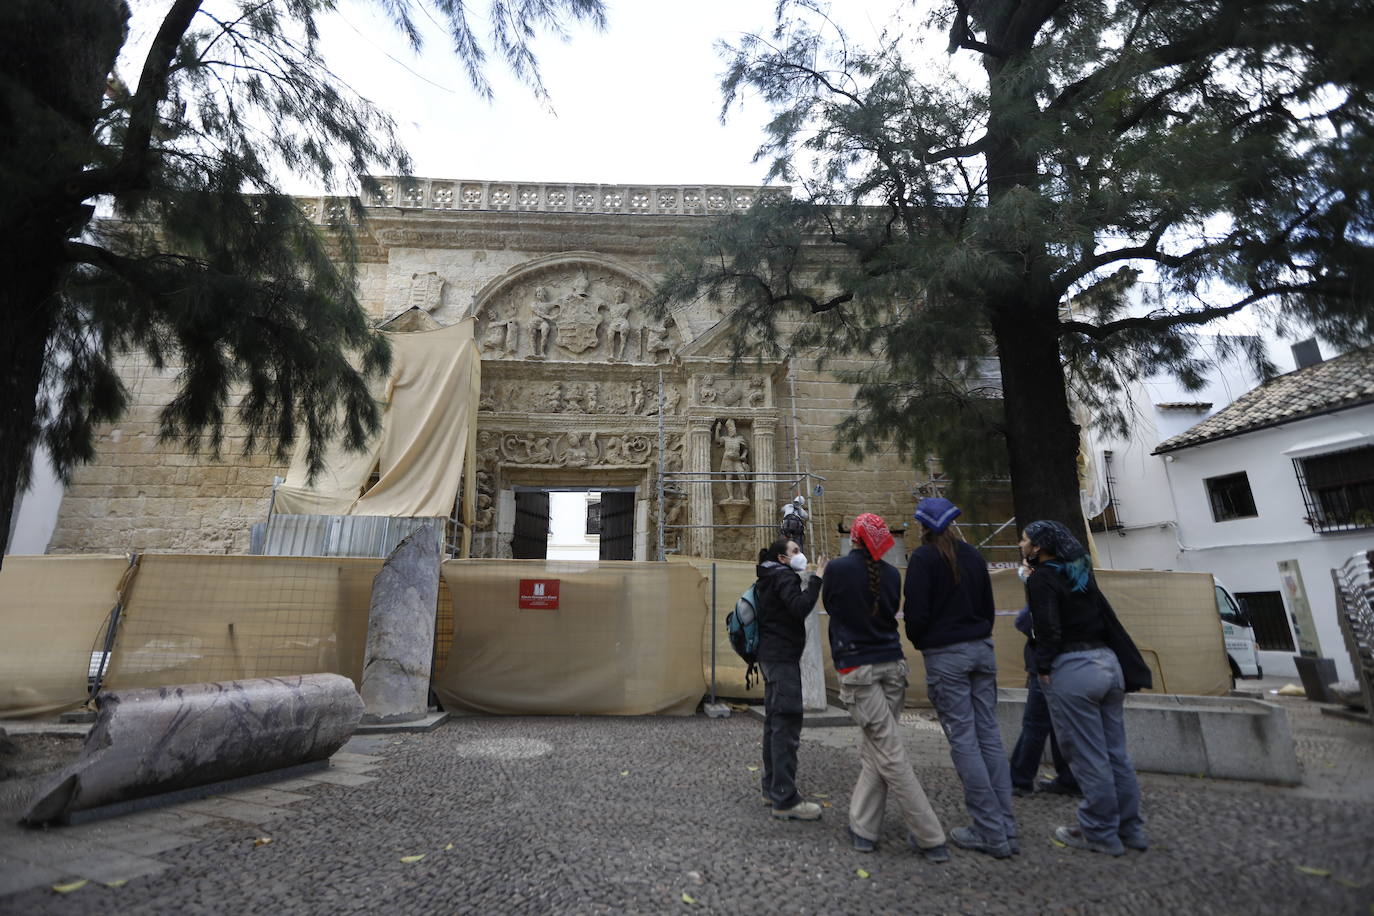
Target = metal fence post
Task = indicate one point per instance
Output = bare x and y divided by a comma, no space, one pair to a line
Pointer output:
713,632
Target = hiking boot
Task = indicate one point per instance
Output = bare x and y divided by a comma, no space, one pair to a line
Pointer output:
1073,836
767,801
1055,787
1136,840
801,811
861,843
965,838
938,855
1023,791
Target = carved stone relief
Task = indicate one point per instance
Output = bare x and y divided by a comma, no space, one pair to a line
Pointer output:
717,391
426,291
573,312
570,450
634,398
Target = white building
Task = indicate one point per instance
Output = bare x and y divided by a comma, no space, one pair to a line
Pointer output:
1237,485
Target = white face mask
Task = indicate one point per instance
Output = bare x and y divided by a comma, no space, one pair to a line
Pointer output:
797,562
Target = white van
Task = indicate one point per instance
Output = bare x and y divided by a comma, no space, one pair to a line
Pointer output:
1241,649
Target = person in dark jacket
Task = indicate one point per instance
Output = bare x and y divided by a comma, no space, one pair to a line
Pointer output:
949,613
861,594
783,606
1082,680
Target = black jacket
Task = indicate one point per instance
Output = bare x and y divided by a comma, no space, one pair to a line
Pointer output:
1061,616
783,606
857,635
940,612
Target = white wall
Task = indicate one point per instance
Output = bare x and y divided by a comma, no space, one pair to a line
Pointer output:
568,538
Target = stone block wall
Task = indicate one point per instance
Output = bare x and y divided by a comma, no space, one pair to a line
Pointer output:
144,495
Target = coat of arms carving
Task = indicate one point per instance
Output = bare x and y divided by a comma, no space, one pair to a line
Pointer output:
579,317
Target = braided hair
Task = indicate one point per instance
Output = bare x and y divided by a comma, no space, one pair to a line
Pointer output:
875,568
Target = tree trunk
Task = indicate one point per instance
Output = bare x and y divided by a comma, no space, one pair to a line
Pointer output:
55,58
1042,438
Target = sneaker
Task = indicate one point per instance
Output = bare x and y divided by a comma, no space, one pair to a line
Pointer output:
767,801
1136,840
1055,787
861,843
801,811
1023,791
965,838
1073,836
937,855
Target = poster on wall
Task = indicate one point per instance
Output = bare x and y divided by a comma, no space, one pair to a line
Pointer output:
1299,610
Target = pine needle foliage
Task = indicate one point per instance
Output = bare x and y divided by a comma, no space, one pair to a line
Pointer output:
206,265
987,183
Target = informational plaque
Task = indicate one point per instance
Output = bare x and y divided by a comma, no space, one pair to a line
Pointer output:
538,594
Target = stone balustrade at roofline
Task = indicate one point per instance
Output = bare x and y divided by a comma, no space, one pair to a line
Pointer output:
442,194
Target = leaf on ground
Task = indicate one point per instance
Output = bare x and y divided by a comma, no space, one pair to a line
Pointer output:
117,882
1056,842
751,768
688,898
1346,882
819,795
624,772
826,805
413,858
1318,872
862,873
448,847
261,841
73,886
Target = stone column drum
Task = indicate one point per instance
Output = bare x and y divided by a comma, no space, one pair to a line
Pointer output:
765,490
400,632
699,508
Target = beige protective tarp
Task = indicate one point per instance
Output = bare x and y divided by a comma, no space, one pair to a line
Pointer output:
625,639
428,425
52,617
190,619
1170,615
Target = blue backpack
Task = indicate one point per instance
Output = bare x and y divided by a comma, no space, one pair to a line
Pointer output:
742,626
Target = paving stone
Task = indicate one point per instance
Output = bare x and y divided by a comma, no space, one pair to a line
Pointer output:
248,812
341,777
17,875
119,866
274,796
139,839
349,757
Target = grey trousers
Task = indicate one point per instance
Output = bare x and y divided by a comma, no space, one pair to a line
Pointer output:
874,695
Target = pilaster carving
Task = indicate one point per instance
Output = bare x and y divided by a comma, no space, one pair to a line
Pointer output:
765,464
699,514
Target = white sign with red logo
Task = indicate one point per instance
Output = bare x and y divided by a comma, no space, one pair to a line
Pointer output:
539,593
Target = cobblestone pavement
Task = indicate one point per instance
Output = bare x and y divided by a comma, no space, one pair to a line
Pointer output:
603,815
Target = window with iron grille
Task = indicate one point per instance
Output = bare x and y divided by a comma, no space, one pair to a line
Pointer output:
1338,489
1230,497
1269,620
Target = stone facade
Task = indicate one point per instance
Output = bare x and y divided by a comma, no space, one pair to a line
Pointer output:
578,381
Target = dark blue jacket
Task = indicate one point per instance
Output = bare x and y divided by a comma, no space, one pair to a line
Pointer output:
939,612
857,635
783,606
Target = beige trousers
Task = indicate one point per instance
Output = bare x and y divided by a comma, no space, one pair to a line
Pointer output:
874,695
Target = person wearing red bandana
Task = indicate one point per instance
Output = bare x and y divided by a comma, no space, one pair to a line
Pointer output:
861,594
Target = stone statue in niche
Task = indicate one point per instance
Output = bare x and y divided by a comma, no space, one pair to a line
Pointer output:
654,341
636,397
426,291
579,317
579,452
619,327
542,324
706,391
733,461
757,392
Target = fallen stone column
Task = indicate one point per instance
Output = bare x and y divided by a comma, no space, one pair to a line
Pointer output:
400,632
148,741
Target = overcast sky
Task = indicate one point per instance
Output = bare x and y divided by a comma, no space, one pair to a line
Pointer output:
639,103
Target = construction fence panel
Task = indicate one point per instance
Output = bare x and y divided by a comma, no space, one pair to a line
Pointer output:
53,612
191,619
624,639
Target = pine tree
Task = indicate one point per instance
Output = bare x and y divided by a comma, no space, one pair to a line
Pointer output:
955,215
207,265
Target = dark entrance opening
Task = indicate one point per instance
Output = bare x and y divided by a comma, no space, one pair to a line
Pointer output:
617,525
531,538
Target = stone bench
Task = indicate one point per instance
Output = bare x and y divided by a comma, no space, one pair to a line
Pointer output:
1221,737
